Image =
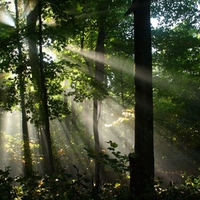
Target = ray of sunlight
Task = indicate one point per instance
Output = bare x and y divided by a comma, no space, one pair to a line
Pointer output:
6,18
113,61
11,142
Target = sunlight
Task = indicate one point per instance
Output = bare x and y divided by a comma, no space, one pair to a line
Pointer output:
69,147
70,143
6,18
11,146
11,143
112,112
117,127
105,118
113,61
154,22
117,63
51,54
29,6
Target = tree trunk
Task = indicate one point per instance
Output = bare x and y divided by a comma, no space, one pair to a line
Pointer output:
99,76
50,161
142,166
28,168
39,83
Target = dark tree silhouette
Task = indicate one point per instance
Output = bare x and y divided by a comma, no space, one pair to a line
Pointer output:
142,165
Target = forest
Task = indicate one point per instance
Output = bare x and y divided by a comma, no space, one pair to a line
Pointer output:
99,99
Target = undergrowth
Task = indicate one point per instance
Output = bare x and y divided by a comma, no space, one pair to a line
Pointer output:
64,186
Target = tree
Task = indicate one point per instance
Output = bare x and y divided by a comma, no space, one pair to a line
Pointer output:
100,78
142,165
20,70
176,81
36,64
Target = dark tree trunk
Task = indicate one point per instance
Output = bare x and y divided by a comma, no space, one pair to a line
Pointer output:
39,83
28,169
50,161
99,76
142,166
97,142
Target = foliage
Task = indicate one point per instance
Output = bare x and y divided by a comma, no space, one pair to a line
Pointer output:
63,185
12,151
176,60
6,188
113,158
171,12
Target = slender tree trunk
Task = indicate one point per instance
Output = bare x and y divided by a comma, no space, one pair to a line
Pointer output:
82,40
142,167
99,76
49,152
122,88
28,169
32,43
39,83
124,127
97,142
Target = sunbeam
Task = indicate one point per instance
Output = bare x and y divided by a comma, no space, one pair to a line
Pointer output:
69,147
11,142
110,60
110,126
75,133
6,18
29,6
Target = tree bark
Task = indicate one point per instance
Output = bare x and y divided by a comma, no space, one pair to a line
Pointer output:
142,166
28,168
99,76
39,83
50,161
